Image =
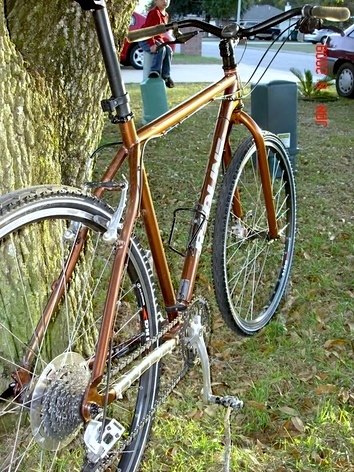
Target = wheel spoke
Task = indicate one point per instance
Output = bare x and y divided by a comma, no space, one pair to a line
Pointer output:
33,254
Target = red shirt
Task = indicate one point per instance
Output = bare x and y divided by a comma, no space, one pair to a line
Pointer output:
155,17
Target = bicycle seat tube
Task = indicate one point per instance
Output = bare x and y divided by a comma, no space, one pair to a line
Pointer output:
120,113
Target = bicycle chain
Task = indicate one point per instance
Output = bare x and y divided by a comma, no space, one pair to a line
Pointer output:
108,461
145,347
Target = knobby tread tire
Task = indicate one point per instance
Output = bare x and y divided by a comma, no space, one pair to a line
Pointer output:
27,206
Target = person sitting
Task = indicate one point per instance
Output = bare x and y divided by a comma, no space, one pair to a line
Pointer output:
161,57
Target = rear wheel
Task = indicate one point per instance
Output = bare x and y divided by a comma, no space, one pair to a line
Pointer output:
40,415
250,271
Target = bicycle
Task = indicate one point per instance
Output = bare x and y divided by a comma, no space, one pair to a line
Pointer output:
80,386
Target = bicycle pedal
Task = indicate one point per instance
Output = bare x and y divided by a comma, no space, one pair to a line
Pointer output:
228,401
99,442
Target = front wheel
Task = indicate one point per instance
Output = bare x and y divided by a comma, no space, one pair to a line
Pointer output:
345,80
251,271
41,427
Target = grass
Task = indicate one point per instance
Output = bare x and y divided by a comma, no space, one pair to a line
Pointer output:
296,376
289,46
191,59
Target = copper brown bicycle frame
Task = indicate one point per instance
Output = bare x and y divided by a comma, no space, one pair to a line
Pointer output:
228,88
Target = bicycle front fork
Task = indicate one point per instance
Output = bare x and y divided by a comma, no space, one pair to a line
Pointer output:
239,116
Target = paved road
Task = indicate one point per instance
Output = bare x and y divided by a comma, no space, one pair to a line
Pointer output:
280,65
279,70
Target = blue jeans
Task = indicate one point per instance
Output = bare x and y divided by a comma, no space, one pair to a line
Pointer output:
161,60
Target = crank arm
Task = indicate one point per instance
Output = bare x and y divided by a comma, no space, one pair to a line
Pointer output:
195,340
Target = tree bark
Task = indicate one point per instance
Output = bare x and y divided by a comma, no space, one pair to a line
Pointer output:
51,84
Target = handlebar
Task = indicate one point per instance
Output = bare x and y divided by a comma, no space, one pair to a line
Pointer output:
234,31
326,13
146,33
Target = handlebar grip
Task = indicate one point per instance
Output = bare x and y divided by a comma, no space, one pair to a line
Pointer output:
146,33
326,13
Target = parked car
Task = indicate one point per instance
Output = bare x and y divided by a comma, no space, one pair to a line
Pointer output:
319,36
131,53
340,61
269,34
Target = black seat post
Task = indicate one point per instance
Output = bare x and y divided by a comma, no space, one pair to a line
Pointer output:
120,98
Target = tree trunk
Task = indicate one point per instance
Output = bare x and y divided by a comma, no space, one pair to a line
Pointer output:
51,84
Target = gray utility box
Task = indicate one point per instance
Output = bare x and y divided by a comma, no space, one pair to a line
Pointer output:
274,108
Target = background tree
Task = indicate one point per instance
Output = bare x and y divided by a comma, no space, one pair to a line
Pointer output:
219,9
182,8
51,84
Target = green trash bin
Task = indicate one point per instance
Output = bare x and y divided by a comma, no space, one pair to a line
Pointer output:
274,108
153,93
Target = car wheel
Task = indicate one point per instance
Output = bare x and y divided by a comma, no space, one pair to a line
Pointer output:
136,57
323,39
345,80
274,36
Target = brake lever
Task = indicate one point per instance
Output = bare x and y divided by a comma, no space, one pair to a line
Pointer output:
181,39
184,37
333,28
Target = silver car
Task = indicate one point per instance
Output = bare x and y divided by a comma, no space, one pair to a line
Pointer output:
318,36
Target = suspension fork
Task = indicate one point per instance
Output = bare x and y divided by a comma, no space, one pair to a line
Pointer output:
239,116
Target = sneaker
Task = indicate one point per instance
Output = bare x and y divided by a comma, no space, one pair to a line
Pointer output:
169,82
154,74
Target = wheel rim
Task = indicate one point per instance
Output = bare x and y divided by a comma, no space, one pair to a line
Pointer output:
346,81
75,328
138,57
257,269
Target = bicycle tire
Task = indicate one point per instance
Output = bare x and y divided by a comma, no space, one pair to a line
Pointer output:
250,272
40,217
